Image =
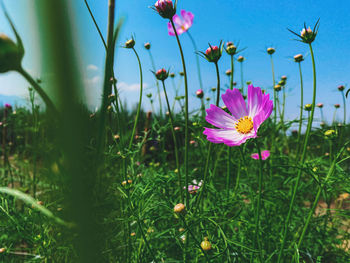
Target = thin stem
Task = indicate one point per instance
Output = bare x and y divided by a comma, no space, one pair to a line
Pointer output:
175,143
39,90
301,111
140,101
307,135
96,25
274,91
157,83
229,153
344,103
312,210
334,116
242,82
232,71
186,111
146,241
197,60
206,167
258,208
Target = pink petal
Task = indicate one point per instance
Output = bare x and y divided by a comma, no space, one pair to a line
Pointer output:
235,103
228,137
255,156
255,98
177,20
170,30
219,118
188,18
265,154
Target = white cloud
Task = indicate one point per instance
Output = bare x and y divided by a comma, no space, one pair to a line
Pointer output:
93,81
92,67
123,86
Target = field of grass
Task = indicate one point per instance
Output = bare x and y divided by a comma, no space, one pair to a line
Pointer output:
235,182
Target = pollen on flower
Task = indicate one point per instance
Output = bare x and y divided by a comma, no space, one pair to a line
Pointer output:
244,125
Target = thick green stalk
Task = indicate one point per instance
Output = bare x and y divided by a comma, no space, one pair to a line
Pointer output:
301,111
157,83
307,135
186,112
274,91
140,101
175,144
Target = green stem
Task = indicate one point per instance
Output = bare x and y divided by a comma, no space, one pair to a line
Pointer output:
197,60
229,153
146,241
232,72
175,144
334,116
242,82
274,91
186,112
140,101
49,104
157,83
344,103
258,208
307,135
206,167
312,210
301,110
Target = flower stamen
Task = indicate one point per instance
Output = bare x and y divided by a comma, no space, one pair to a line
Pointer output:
244,125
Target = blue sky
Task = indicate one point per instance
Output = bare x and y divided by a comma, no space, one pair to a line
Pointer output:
256,25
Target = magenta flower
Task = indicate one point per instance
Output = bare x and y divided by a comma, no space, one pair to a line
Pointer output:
182,24
165,8
244,122
264,155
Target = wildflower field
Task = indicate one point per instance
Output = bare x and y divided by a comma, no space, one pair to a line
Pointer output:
190,172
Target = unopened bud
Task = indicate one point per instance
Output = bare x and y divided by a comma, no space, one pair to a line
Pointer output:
206,245
228,72
147,45
270,50
180,208
277,87
240,59
10,54
298,58
341,88
130,43
161,74
337,106
319,105
308,107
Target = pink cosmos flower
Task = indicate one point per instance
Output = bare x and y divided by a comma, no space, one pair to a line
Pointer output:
181,24
245,120
264,155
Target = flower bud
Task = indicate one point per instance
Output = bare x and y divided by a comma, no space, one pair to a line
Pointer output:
308,107
213,89
207,98
130,43
177,128
228,72
234,83
240,59
181,73
8,106
282,82
298,58
147,45
341,88
111,97
165,8
199,93
230,48
162,74
270,50
10,54
206,245
337,106
284,77
323,124
319,105
180,208
277,87
213,53
116,137
307,35
2,250
149,95
329,133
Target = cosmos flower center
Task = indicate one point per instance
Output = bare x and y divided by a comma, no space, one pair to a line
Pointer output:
244,125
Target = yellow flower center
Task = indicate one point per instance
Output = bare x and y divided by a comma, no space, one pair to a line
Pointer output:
244,125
